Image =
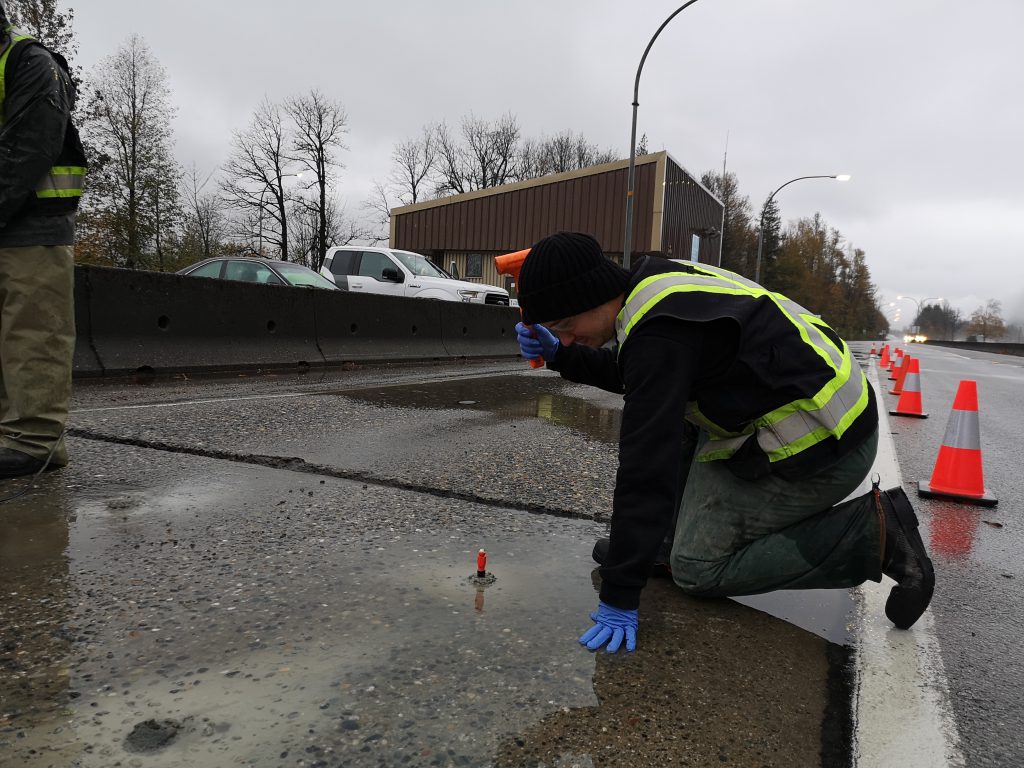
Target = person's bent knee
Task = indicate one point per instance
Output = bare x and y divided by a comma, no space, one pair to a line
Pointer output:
699,578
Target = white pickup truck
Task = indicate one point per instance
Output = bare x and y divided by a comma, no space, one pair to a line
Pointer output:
366,269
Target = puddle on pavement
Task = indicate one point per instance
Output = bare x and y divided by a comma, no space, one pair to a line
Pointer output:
506,397
383,653
154,628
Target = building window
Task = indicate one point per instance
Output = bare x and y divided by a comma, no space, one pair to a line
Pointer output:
695,248
474,265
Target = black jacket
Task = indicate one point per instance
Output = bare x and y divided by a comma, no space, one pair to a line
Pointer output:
665,363
36,110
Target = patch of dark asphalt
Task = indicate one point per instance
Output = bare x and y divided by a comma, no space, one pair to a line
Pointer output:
152,735
296,464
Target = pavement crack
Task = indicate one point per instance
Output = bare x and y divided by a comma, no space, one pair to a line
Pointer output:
298,464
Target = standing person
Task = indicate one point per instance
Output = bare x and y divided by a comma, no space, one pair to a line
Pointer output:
42,167
745,424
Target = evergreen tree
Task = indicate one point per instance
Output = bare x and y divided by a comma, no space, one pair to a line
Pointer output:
739,238
771,243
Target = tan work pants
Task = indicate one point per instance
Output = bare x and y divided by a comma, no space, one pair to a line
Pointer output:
37,344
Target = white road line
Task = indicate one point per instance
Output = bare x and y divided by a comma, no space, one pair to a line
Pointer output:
180,403
902,714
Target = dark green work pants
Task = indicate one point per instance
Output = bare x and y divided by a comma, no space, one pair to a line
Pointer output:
737,537
37,344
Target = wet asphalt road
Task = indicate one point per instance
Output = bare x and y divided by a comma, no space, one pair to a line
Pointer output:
275,571
979,599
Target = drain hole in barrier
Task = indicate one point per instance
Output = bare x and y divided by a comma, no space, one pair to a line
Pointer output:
144,374
271,326
354,328
163,322
414,329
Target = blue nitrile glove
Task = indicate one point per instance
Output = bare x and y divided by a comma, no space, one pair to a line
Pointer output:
536,342
610,626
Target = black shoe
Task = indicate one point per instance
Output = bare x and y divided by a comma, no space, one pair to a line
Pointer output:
17,464
905,560
661,565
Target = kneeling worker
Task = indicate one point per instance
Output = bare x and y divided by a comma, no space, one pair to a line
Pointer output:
745,424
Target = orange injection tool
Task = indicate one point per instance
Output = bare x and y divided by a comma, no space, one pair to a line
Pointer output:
510,264
481,564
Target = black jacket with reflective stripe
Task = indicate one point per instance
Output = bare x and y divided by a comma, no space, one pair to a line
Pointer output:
771,365
36,138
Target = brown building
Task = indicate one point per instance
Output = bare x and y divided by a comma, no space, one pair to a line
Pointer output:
672,213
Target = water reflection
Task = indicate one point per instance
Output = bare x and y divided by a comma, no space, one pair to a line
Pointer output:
952,528
35,636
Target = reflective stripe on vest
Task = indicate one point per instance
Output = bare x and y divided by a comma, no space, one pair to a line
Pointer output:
791,428
16,36
64,181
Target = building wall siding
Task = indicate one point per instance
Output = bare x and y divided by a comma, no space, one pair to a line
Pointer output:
513,220
689,210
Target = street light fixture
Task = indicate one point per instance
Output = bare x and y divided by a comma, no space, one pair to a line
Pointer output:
760,234
627,241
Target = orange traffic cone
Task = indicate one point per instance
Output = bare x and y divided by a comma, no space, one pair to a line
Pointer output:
897,363
901,376
958,473
884,362
896,355
909,403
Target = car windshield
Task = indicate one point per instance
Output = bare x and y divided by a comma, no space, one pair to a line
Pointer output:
420,266
296,274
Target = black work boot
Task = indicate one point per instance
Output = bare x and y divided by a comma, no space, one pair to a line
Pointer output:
904,560
17,464
661,565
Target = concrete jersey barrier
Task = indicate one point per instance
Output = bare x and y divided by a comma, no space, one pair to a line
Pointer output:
130,321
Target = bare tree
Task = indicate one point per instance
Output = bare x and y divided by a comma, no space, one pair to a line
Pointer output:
411,175
255,174
413,161
379,205
133,185
306,232
561,153
320,125
482,156
204,220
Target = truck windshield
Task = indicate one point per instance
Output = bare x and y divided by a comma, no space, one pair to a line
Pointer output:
420,266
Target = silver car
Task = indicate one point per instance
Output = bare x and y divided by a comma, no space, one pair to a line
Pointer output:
255,270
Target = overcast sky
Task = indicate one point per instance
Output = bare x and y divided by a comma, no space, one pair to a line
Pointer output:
921,101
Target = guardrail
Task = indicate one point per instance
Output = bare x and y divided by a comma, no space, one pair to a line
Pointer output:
995,347
130,321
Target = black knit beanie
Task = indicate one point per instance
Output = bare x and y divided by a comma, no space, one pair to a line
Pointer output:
566,274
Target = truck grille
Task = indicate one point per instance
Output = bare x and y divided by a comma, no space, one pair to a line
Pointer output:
496,298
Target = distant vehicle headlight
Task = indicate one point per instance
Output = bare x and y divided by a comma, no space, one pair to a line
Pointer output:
468,295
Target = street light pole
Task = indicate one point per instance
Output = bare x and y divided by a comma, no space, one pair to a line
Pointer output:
627,241
918,304
760,233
